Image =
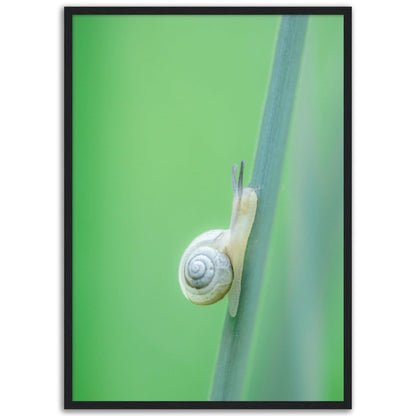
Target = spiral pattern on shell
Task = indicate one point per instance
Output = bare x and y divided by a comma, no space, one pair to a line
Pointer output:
199,270
202,266
207,275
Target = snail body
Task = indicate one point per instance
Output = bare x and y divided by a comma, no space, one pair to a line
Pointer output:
212,265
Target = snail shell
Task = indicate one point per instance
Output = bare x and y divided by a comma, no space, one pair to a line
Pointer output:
206,273
212,265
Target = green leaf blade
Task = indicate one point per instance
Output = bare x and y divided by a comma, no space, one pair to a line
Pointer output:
237,332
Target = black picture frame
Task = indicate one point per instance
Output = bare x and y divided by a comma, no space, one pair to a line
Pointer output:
69,403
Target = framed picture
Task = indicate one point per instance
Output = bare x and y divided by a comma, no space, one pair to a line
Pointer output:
208,207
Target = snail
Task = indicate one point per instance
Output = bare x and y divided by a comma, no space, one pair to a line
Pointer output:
212,264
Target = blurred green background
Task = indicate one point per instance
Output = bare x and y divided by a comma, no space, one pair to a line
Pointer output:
162,108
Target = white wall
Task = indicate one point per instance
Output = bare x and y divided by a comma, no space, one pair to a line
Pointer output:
384,204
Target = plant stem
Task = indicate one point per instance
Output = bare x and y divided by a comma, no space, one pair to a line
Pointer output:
238,331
